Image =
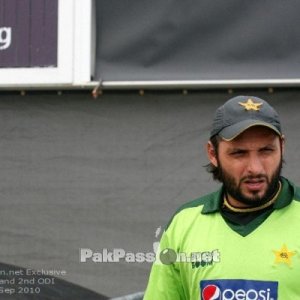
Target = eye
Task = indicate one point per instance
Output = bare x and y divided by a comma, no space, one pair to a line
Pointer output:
237,153
266,150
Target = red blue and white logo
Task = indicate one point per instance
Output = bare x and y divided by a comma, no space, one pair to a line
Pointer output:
211,292
238,289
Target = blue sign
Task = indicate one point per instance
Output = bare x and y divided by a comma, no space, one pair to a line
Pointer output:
238,289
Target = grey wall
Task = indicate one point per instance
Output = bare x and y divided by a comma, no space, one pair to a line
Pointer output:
76,172
197,40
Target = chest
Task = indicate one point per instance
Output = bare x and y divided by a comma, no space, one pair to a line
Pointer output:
270,252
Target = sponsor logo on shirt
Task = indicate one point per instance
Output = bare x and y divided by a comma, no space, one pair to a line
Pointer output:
238,289
206,258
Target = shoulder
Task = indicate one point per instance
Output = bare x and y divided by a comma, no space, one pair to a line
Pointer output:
295,190
202,205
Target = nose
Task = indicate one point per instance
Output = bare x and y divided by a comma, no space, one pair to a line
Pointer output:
254,165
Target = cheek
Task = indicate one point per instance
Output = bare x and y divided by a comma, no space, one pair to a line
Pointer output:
273,164
234,168
228,163
271,160
237,170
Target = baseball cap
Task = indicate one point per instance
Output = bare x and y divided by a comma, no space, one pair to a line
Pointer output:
242,112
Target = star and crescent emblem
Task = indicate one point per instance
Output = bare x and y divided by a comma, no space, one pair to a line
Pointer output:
250,105
284,255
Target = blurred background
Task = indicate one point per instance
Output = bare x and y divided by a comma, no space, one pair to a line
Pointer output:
105,110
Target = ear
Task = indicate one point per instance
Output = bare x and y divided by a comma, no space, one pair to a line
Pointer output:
211,153
282,142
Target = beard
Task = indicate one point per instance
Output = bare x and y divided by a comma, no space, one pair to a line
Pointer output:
234,189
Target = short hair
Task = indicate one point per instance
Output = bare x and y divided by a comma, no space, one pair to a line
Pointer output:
210,168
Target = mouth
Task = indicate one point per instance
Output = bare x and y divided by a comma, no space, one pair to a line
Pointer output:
255,185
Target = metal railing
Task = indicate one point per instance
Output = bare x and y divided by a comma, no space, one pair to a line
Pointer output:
135,296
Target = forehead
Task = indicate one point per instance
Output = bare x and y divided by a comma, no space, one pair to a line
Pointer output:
256,135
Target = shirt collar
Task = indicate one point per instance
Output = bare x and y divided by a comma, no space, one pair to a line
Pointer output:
286,195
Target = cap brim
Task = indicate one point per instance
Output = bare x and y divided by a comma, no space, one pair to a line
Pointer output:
231,132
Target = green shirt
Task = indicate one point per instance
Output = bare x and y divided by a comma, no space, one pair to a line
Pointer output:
256,261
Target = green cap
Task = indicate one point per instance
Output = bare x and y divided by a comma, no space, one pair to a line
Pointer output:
242,112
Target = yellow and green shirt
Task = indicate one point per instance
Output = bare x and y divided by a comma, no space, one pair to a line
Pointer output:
204,256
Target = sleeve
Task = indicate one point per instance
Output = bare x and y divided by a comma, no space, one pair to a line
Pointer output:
165,278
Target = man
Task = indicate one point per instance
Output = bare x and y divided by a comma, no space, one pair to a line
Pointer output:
243,241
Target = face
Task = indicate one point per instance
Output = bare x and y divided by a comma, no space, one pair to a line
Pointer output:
250,165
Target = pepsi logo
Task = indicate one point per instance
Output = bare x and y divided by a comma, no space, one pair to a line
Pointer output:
238,289
211,292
